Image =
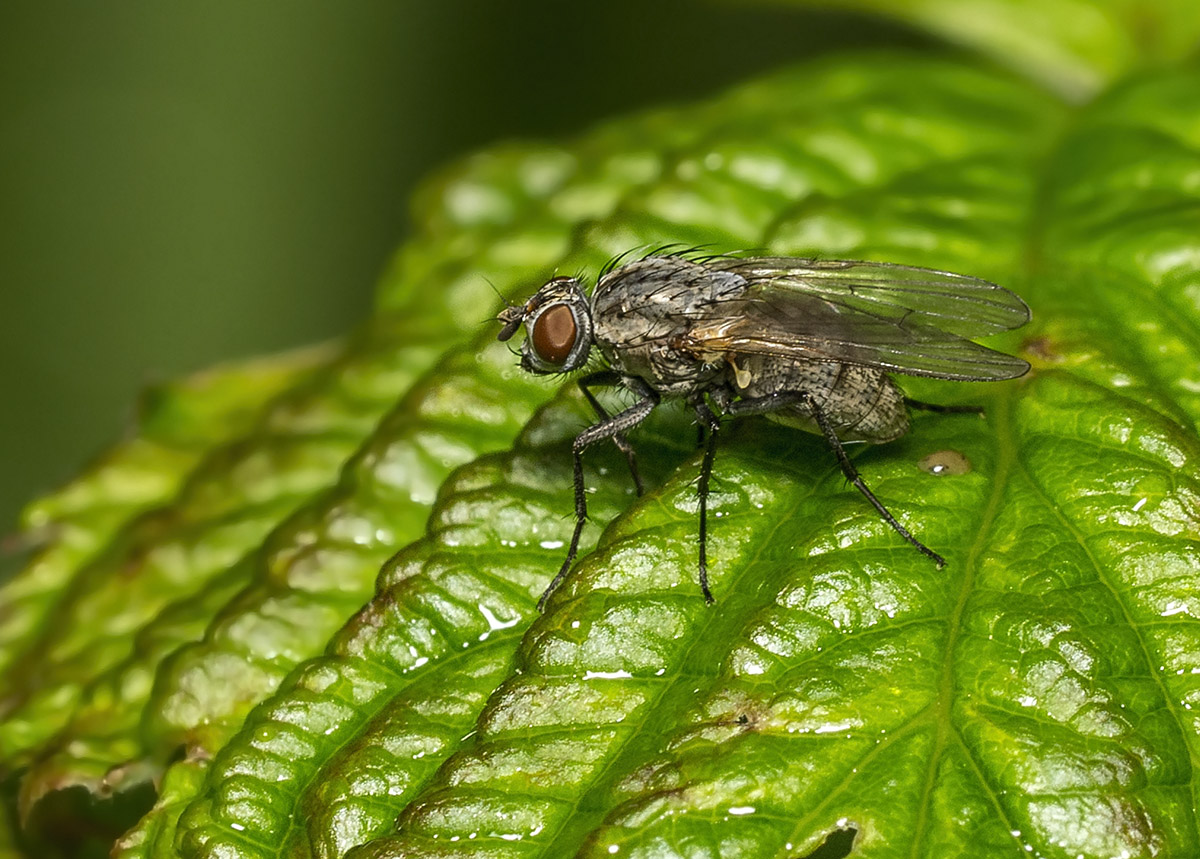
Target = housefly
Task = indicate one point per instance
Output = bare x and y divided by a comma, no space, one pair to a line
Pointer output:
808,343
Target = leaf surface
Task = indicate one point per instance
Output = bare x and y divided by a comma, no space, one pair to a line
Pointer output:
1075,47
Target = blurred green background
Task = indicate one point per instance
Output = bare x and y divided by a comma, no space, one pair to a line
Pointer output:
186,182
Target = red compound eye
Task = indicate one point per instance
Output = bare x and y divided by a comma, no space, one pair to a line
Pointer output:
554,334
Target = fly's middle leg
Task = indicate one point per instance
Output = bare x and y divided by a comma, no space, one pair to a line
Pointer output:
608,428
607,378
784,399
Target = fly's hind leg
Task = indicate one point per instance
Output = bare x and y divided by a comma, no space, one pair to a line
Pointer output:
941,409
607,378
608,428
706,420
775,402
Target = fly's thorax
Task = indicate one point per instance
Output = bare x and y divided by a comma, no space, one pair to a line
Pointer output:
643,312
862,403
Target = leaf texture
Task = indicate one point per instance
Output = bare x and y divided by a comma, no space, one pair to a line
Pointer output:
1034,697
1075,47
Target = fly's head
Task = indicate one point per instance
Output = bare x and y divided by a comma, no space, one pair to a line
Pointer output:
558,327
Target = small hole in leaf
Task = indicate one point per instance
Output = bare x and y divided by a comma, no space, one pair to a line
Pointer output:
837,845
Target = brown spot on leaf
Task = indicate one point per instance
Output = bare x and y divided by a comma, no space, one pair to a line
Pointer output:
944,463
1042,348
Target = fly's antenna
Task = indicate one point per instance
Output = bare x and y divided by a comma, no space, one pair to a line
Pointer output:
511,316
499,294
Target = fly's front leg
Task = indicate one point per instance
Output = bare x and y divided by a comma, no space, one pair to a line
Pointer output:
706,420
760,405
608,428
607,378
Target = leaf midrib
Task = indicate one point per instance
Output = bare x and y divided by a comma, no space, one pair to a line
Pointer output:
1005,460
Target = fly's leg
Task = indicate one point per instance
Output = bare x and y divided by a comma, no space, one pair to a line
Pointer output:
706,421
608,428
775,402
941,409
607,378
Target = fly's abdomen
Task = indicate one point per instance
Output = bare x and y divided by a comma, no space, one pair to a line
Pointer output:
862,404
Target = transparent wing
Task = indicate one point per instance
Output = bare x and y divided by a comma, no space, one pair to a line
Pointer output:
897,318
956,304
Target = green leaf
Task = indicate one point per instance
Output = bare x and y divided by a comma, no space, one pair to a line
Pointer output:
202,550
460,597
1033,697
1037,686
178,423
1075,47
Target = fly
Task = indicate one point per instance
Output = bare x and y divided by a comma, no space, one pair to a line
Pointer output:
808,343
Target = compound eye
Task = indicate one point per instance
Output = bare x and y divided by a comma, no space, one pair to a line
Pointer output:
554,334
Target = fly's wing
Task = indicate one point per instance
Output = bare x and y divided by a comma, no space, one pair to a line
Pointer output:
897,318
